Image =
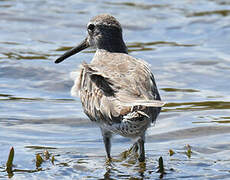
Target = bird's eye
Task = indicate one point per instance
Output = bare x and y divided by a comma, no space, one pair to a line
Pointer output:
91,27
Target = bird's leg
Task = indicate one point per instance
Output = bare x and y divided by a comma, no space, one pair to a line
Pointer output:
107,142
141,146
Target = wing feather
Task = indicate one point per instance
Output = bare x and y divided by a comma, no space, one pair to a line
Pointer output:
115,86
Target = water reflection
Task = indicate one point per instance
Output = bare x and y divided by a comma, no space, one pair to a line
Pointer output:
208,13
197,106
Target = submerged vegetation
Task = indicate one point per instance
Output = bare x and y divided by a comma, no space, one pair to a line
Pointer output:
128,158
9,163
40,158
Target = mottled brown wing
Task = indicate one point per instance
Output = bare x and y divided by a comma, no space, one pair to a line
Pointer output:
110,89
130,78
96,94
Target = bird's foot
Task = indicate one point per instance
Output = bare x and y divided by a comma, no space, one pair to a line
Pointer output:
141,158
108,161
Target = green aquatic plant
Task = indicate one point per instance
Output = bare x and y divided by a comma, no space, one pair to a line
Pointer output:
161,168
9,163
39,160
189,151
52,160
171,152
44,157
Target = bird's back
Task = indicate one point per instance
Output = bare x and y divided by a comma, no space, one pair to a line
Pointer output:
119,92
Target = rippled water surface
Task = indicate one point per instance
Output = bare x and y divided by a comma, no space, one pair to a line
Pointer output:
185,41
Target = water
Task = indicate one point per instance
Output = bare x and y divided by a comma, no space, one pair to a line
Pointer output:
187,44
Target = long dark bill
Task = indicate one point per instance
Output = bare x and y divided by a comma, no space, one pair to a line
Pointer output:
83,45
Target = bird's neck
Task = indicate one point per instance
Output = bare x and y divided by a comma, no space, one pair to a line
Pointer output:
114,44
102,57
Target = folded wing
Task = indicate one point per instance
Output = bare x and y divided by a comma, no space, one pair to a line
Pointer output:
112,89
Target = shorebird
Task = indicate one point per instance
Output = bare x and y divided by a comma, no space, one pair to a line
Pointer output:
117,91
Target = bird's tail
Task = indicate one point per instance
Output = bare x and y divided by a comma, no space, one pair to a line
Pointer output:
147,103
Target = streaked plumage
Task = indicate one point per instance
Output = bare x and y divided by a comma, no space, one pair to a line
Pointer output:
117,91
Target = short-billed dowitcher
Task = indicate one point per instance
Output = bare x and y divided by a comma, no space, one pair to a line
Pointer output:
117,91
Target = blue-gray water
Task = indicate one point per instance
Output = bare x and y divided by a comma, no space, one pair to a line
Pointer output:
186,42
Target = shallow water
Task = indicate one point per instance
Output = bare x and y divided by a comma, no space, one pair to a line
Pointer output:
187,44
